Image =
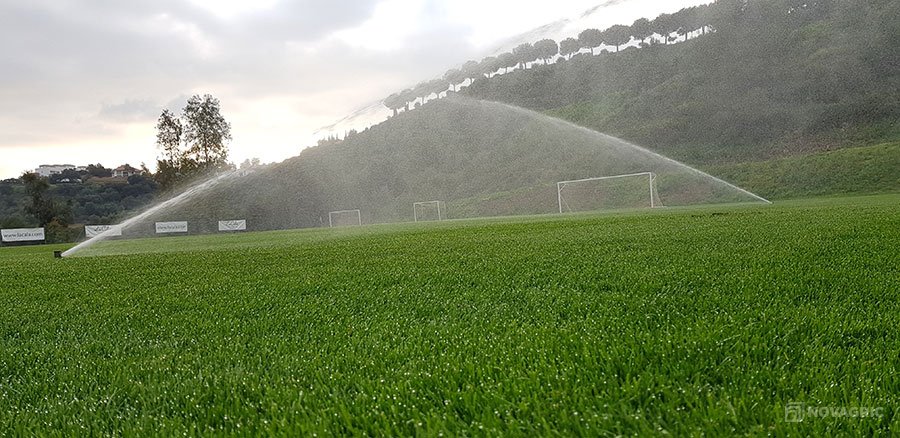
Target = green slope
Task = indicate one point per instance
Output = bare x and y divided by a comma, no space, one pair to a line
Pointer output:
871,169
767,83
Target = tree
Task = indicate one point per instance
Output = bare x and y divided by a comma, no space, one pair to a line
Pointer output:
42,207
438,86
488,66
524,53
590,38
618,35
568,47
664,25
168,136
250,163
471,70
423,90
406,97
641,29
394,103
506,61
696,20
206,132
98,171
546,49
454,76
168,174
67,176
681,22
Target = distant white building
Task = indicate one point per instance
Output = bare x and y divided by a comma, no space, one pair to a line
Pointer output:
46,170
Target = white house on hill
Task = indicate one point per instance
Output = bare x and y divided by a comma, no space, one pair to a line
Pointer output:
46,170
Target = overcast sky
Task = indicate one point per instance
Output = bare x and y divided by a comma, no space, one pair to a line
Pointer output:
83,81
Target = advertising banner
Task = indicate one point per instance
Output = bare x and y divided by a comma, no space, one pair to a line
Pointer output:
96,230
22,234
171,227
233,225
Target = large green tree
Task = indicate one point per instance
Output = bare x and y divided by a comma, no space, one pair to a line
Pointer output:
421,92
206,133
471,70
664,25
524,54
394,103
195,143
569,47
546,49
488,66
455,77
506,61
618,35
590,38
641,29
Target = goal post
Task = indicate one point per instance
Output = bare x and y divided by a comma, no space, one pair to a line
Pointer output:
632,190
421,211
335,218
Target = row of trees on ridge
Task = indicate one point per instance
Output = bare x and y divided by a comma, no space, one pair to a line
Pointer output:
669,27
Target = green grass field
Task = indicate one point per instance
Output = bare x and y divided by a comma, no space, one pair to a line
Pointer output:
857,170
676,321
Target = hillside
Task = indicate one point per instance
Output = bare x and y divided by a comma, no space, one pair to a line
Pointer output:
867,169
96,200
775,79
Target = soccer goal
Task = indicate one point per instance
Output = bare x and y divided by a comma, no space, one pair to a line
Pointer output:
344,218
633,190
427,211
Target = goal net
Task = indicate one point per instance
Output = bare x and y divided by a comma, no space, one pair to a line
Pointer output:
427,211
629,191
344,218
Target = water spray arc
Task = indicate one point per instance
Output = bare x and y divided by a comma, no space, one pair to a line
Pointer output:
626,146
502,159
186,196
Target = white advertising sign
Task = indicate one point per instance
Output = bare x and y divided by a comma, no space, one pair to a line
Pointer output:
235,225
171,227
106,230
22,234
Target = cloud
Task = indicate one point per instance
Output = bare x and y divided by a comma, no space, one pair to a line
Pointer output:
307,20
130,111
66,56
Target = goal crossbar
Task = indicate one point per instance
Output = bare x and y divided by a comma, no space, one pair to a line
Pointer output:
560,185
416,206
332,213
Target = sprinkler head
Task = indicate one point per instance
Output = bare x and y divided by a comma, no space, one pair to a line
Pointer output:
57,254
